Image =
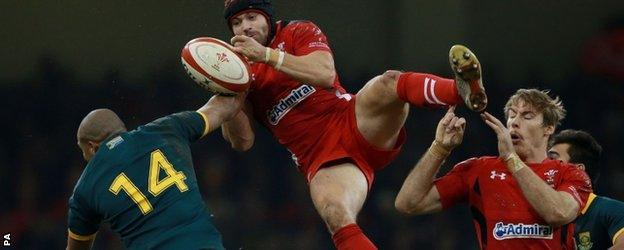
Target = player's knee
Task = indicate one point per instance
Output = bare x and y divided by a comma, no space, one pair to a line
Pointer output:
336,215
386,82
389,78
391,75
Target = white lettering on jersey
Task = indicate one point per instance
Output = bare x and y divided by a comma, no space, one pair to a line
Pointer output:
287,103
520,230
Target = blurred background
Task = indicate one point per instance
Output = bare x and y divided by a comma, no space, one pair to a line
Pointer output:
61,59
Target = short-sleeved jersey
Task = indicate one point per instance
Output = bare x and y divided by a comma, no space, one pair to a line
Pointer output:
601,222
143,183
293,111
502,216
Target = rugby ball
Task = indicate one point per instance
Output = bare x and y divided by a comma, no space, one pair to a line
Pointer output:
212,64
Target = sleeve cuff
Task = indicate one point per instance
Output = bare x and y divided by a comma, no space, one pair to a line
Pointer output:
80,237
207,124
618,234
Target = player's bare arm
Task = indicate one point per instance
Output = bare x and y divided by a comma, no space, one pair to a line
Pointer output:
418,195
73,244
316,68
220,109
239,130
555,207
618,243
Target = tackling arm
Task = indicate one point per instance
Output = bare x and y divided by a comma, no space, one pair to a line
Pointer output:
239,131
220,109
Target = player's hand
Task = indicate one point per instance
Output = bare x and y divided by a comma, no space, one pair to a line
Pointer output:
228,106
450,130
249,48
505,146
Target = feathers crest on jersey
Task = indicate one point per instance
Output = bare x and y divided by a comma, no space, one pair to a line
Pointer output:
233,7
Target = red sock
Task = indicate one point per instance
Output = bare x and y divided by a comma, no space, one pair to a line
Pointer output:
350,237
425,90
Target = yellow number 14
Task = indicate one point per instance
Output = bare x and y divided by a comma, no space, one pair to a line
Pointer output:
155,186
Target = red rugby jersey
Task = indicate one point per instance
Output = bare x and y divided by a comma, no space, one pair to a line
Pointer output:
293,111
502,216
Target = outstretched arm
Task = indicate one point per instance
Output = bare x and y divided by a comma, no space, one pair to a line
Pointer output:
220,109
239,130
555,207
316,68
418,194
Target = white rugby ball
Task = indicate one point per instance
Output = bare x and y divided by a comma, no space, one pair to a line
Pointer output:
212,64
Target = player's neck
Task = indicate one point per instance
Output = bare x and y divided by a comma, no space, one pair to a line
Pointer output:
534,155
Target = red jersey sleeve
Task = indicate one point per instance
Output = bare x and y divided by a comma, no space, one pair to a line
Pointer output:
307,38
576,182
453,187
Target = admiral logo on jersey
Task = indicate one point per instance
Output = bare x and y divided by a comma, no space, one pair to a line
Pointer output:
287,103
520,230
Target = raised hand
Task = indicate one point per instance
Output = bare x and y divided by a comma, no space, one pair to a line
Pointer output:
450,130
505,146
228,106
249,48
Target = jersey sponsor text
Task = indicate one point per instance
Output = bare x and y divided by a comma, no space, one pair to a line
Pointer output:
287,103
520,230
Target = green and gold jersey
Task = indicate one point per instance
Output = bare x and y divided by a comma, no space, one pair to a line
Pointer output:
601,222
143,183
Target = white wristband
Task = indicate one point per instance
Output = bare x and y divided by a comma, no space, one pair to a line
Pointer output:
280,60
267,54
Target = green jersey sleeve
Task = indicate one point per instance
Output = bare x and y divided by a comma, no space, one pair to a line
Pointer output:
83,222
190,125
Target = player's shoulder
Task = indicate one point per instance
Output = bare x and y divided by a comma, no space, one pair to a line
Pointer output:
473,162
558,164
85,181
298,25
568,169
290,23
609,205
480,160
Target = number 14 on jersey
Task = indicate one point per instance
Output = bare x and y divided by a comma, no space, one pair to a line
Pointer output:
155,186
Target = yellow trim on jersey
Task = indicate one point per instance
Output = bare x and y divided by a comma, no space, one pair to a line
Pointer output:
80,237
616,235
590,199
207,127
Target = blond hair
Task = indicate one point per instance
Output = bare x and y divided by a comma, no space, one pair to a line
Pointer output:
551,109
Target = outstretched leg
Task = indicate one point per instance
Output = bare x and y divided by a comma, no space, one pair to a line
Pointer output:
338,193
382,104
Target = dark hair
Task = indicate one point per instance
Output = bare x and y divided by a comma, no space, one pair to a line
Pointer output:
584,149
